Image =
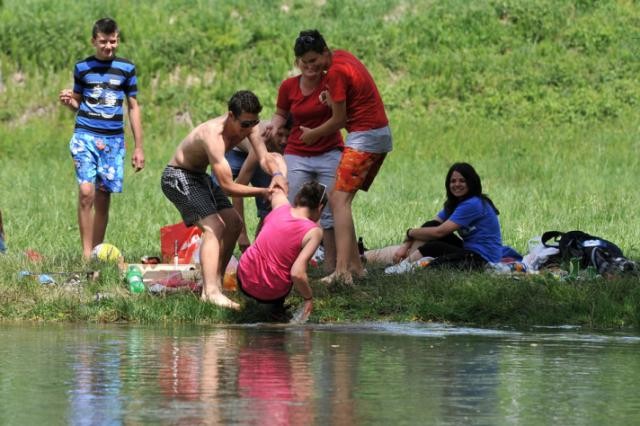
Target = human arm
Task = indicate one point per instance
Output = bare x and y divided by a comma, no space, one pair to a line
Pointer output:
299,277
70,99
135,120
337,121
432,232
278,120
269,162
222,172
409,242
244,177
220,168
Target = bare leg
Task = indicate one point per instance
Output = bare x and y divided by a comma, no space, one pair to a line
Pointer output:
86,197
382,256
233,227
329,243
414,256
385,255
101,203
347,256
213,229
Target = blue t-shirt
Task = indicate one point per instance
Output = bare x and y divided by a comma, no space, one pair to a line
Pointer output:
104,85
479,228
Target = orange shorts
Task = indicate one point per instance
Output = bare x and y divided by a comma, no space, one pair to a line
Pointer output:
357,169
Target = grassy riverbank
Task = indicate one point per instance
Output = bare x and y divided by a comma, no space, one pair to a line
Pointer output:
479,298
542,98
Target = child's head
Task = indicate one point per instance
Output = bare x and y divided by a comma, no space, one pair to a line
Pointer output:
105,38
312,195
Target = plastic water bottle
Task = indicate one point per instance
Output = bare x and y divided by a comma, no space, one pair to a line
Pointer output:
134,279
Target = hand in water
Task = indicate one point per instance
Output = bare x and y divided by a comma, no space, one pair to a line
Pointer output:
302,314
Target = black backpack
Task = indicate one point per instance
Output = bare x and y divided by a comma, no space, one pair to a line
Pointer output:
603,255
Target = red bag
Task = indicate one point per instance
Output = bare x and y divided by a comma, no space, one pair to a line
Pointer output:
181,241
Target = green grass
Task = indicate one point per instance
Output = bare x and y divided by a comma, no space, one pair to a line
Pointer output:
541,97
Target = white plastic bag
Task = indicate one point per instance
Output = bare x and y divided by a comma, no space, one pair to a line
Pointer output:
538,254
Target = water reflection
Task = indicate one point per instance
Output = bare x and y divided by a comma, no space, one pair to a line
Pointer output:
359,374
96,385
274,379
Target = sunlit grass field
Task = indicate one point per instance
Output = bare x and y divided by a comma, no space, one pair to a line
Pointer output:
541,97
541,178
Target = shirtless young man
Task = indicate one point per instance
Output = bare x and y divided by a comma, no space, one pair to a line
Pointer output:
187,185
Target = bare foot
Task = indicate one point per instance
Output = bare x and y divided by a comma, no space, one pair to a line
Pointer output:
345,278
361,274
220,300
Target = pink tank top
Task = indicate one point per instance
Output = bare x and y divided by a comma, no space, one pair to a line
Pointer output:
265,267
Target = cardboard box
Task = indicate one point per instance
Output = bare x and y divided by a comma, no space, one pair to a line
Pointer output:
153,273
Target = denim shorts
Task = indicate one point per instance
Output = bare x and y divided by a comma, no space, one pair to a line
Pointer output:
321,168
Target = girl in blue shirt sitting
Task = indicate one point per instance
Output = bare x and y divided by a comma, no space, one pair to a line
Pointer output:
469,212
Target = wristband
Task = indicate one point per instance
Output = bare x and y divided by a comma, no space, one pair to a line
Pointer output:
409,237
307,298
277,174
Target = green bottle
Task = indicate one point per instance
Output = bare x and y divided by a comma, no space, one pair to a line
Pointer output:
134,279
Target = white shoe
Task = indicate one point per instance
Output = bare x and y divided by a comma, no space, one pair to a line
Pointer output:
400,268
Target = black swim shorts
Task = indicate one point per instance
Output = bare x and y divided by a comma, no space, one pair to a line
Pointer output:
194,194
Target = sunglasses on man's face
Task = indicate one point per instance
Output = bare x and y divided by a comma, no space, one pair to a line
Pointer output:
249,123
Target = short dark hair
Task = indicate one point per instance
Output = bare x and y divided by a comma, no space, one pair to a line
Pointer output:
312,194
105,26
244,101
307,41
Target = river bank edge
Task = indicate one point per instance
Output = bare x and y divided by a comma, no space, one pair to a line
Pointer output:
459,298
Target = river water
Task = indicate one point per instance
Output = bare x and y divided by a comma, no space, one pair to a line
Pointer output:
386,374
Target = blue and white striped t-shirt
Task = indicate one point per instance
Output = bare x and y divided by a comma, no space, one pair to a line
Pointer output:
104,85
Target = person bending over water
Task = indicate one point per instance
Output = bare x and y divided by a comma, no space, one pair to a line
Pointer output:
278,259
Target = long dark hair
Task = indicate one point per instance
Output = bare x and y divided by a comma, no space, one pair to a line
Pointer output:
474,186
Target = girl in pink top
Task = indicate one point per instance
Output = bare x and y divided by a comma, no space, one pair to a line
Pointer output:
278,259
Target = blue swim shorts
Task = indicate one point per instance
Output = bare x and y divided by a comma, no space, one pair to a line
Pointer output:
98,160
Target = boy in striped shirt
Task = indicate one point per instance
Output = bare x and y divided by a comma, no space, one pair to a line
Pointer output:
102,83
